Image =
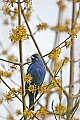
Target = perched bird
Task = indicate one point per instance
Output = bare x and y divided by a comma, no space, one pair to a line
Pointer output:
37,71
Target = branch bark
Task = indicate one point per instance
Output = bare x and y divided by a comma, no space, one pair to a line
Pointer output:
71,87
21,60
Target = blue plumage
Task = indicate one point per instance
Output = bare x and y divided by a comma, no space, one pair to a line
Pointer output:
37,71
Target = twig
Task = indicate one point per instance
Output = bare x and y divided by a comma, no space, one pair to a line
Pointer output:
71,82
9,87
58,45
10,61
21,61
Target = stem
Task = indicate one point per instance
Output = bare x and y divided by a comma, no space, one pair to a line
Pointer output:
21,61
71,87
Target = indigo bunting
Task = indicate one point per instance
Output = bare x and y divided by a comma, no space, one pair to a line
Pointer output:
37,71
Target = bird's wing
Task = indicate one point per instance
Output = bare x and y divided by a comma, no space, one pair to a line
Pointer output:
36,72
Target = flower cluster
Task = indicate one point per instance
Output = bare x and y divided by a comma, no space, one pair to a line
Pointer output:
28,114
18,112
43,89
32,88
11,94
72,33
61,5
55,53
29,9
42,26
60,109
12,58
54,82
27,78
10,1
8,97
68,43
41,112
5,74
19,33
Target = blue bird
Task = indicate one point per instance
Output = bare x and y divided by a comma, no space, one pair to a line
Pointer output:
37,71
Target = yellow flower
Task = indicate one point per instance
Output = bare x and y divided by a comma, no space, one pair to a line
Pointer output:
6,9
68,43
13,91
61,5
19,90
28,114
32,88
18,112
43,89
54,82
27,78
42,26
18,34
66,59
6,22
60,28
10,117
72,33
8,97
41,112
55,53
59,90
5,74
60,109
10,2
4,52
12,58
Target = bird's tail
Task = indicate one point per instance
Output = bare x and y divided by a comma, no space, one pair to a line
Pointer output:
31,101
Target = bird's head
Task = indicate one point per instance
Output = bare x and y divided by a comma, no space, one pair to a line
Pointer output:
35,57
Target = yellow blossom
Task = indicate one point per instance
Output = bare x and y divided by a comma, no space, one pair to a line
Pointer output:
61,5
12,58
43,89
10,2
13,91
32,88
18,112
5,74
67,22
6,22
4,52
60,28
8,97
68,43
27,78
6,9
60,109
28,114
42,26
19,90
54,82
55,53
59,90
41,112
66,59
72,33
10,117
28,15
19,33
